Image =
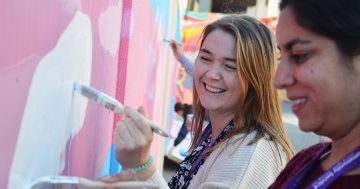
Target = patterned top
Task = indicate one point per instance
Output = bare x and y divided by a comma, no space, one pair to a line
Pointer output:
191,164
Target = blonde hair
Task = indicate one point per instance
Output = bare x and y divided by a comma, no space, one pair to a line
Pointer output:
259,107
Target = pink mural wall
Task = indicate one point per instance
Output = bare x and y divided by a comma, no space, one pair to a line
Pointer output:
151,68
45,46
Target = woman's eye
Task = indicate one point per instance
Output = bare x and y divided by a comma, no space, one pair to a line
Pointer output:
206,59
230,67
299,58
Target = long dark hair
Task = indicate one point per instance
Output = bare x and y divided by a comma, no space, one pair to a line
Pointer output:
338,20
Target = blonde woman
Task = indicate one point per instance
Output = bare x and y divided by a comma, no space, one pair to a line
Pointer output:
244,145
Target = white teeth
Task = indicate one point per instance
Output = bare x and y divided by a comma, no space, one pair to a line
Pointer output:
299,101
213,89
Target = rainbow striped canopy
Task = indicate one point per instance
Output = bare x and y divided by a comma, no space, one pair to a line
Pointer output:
194,23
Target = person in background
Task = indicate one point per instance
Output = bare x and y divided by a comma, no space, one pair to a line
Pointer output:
180,56
244,144
178,119
183,95
179,111
184,129
319,68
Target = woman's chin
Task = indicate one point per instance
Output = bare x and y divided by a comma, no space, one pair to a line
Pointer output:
307,127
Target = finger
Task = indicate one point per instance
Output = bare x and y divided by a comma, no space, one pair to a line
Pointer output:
88,184
134,131
173,47
124,176
124,135
139,121
117,134
142,110
172,41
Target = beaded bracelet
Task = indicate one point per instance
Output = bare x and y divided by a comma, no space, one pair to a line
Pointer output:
144,166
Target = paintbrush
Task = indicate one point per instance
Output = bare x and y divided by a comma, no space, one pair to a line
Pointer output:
169,40
112,104
66,182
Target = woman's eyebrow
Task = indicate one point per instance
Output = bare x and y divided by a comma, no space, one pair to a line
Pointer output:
205,51
296,41
230,59
208,52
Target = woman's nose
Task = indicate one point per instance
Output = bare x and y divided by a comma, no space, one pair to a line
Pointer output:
214,72
283,76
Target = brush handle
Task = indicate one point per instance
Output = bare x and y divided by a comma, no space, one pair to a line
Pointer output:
156,129
117,107
111,104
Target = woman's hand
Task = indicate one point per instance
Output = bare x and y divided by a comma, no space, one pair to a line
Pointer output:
133,137
176,49
118,181
123,176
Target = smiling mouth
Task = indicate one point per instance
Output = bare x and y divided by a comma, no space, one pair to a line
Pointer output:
298,104
298,101
214,90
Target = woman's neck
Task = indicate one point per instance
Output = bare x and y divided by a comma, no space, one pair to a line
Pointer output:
219,122
341,147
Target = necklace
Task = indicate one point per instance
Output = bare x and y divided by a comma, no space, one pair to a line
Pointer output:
325,154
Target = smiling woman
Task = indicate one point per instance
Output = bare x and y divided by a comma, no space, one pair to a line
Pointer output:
320,71
239,140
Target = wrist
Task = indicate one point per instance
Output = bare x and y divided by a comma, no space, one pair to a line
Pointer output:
141,172
143,166
145,174
182,58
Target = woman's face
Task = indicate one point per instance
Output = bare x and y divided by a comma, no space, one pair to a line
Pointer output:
215,74
325,94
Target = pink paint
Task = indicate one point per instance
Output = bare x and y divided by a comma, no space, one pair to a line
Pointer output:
89,147
15,84
143,64
123,54
21,47
30,30
25,25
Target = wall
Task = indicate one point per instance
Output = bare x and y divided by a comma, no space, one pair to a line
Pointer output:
45,46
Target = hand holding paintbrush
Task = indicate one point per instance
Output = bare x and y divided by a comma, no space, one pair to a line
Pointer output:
111,104
176,48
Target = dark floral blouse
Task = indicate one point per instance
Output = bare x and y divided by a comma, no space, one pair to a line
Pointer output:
191,164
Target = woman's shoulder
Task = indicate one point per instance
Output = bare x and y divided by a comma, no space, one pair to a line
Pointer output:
243,144
242,138
256,162
297,163
237,145
252,138
307,154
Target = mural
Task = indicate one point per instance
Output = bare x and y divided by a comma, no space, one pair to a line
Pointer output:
115,46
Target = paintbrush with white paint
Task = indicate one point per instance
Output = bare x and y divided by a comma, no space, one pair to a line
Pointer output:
111,104
66,182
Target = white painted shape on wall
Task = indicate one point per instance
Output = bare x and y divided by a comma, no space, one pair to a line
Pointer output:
53,112
109,28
